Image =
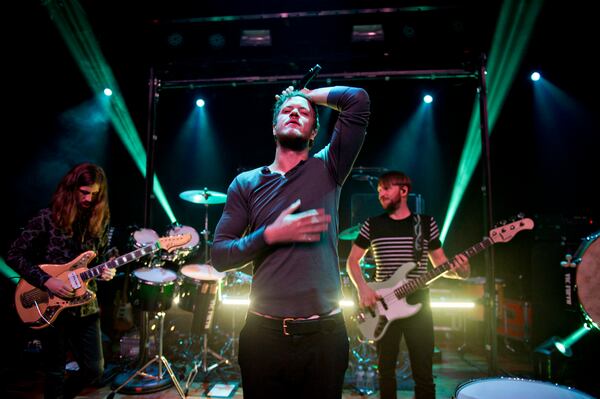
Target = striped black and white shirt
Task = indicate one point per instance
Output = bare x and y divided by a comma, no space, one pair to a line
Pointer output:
392,243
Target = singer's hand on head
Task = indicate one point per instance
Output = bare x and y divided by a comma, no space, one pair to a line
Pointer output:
285,91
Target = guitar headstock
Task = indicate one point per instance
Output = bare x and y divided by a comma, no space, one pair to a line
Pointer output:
173,242
507,231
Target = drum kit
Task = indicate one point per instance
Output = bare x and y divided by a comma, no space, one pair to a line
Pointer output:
194,287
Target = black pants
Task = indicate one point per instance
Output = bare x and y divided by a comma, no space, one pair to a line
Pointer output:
275,365
417,331
82,337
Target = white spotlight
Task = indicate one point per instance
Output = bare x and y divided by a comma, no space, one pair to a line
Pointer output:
200,103
428,99
535,76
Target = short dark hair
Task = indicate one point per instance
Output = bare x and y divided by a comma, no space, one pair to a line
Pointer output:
394,177
296,93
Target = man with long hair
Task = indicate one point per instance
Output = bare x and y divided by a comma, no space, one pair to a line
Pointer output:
76,221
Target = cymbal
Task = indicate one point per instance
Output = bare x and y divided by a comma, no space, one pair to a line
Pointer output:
205,196
350,233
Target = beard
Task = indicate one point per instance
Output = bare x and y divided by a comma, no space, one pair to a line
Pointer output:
294,143
391,206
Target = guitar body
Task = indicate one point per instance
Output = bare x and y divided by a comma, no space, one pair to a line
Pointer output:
373,324
38,307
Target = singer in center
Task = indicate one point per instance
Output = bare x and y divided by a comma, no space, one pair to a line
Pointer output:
283,217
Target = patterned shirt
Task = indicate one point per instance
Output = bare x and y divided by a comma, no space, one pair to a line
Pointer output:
42,242
392,243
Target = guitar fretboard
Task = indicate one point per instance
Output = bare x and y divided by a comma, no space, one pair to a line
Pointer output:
417,283
118,261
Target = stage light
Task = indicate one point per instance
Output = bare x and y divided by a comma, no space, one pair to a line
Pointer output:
564,345
200,103
367,33
535,76
346,303
452,305
108,92
255,38
427,99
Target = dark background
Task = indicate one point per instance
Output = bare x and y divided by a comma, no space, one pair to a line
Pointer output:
548,174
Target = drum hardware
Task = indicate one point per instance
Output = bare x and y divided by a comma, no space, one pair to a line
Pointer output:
152,291
206,197
158,380
200,286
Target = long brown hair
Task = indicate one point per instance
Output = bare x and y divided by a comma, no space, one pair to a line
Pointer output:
65,206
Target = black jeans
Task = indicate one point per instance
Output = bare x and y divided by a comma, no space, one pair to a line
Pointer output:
275,365
82,337
417,331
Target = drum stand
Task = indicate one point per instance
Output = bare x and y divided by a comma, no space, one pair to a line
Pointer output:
158,358
203,363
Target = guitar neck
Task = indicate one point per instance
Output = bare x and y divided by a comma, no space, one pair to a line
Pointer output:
118,261
421,281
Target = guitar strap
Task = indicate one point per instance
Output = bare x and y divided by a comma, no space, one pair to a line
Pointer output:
418,239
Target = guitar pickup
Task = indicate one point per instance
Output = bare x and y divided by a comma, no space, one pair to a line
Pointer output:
74,280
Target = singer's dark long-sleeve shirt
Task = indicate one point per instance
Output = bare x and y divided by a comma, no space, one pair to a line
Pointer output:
296,279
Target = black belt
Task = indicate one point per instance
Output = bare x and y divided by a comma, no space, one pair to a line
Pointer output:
292,326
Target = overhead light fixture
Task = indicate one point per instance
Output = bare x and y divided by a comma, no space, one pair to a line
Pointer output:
255,38
367,33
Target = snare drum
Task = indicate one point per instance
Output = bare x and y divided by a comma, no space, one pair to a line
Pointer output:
152,289
198,293
187,250
509,388
588,277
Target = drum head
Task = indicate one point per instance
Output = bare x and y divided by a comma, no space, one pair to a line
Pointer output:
201,272
588,277
143,237
155,275
508,388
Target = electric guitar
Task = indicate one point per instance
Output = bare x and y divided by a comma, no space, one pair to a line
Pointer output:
39,308
374,321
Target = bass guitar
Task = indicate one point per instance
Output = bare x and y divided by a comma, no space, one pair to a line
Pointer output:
38,308
392,305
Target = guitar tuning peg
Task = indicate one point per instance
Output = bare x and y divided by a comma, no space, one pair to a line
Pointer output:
520,215
569,257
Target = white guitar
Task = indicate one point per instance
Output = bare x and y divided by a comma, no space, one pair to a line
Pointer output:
373,322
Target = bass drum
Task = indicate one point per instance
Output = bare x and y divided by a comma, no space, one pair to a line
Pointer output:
182,254
587,258
510,388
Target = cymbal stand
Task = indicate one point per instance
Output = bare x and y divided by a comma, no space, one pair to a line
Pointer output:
205,233
202,364
160,359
